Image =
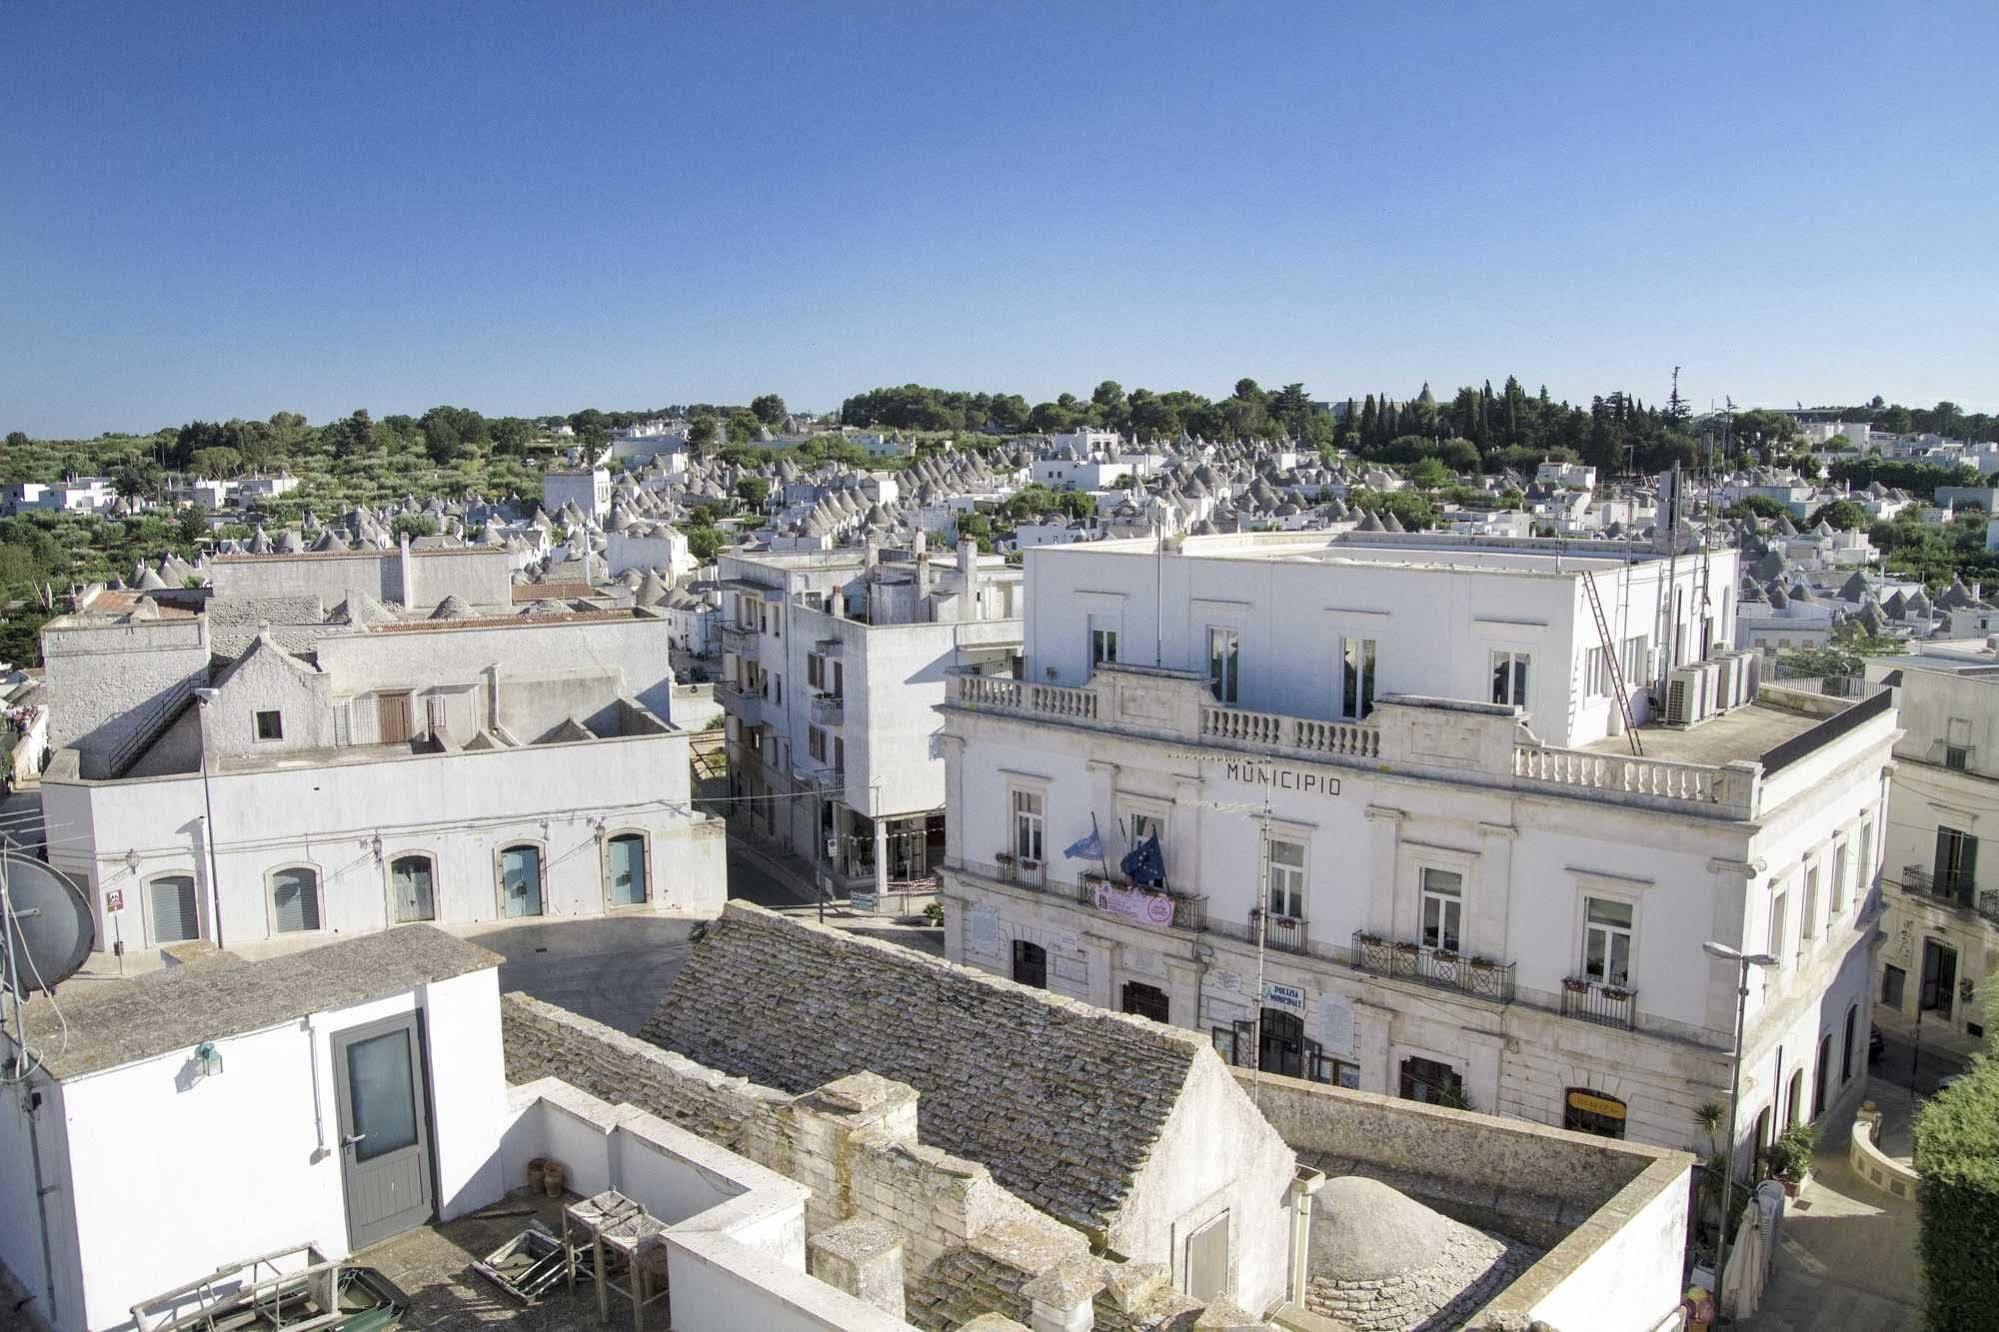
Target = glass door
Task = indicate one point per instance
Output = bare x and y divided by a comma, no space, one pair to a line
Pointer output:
384,1128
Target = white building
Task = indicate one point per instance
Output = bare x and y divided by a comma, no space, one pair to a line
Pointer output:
1472,889
321,1102
386,771
1567,475
832,667
1942,926
589,488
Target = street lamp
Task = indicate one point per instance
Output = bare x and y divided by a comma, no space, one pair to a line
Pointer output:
204,697
1723,952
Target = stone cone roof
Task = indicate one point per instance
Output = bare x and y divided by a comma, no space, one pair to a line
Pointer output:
452,608
1383,1262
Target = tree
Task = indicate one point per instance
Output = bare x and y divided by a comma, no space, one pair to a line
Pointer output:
215,463
1108,405
1843,514
1957,1161
440,438
1429,474
413,525
769,409
753,491
743,427
17,439
701,433
1756,506
705,543
138,480
193,523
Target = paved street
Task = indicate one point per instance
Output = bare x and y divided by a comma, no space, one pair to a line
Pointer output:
1846,1258
1902,1064
613,970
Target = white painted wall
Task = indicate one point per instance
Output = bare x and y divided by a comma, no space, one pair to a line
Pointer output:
1528,861
188,1173
1437,620
1631,1282
461,808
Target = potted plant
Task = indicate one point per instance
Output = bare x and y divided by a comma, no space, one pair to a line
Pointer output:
1480,962
1575,984
1404,946
1444,954
1369,937
1616,993
1006,862
1799,1144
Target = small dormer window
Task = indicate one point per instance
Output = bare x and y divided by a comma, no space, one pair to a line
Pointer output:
270,725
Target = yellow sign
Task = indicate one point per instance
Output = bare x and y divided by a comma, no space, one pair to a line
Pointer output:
1596,1105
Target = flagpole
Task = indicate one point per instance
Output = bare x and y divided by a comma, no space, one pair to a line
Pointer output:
1103,857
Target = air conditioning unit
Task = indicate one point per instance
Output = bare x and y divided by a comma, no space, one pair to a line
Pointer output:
1728,681
1688,692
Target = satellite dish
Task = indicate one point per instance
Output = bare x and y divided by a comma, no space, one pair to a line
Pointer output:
49,923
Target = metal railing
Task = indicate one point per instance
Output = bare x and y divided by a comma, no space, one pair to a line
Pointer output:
1593,1001
1159,908
739,638
828,709
1443,968
1951,888
152,724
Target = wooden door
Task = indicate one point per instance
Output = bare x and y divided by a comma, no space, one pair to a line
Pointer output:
394,720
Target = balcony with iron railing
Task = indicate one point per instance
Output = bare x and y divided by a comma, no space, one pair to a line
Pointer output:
740,639
1951,888
1443,968
828,710
1606,1005
1157,908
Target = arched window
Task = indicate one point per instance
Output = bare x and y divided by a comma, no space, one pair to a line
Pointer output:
625,863
294,900
1821,1074
520,881
1588,1111
1795,1110
1030,964
1846,1048
412,888
176,909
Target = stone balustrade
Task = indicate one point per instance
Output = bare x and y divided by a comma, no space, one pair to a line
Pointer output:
1482,742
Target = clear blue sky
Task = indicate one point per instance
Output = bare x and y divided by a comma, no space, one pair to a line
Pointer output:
215,210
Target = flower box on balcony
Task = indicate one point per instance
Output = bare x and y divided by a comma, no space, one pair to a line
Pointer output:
1574,985
1444,954
1407,948
1372,940
1616,994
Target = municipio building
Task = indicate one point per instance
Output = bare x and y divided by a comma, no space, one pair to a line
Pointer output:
1443,818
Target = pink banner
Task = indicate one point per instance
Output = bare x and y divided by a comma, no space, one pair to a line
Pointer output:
1135,904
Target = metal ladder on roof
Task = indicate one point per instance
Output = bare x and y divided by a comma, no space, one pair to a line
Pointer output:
1610,656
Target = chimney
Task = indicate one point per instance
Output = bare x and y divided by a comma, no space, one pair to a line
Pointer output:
968,574
922,550
871,554
408,572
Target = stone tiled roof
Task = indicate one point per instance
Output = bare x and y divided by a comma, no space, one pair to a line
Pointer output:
1061,1101
120,1022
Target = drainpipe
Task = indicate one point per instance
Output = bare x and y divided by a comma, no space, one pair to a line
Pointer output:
1305,1185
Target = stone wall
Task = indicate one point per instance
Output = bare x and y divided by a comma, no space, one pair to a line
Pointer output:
1523,1179
969,1245
105,680
249,612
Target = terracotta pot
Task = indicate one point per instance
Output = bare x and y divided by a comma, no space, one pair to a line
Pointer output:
534,1171
551,1178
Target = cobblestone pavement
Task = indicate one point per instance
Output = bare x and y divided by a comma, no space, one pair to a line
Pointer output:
1846,1257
